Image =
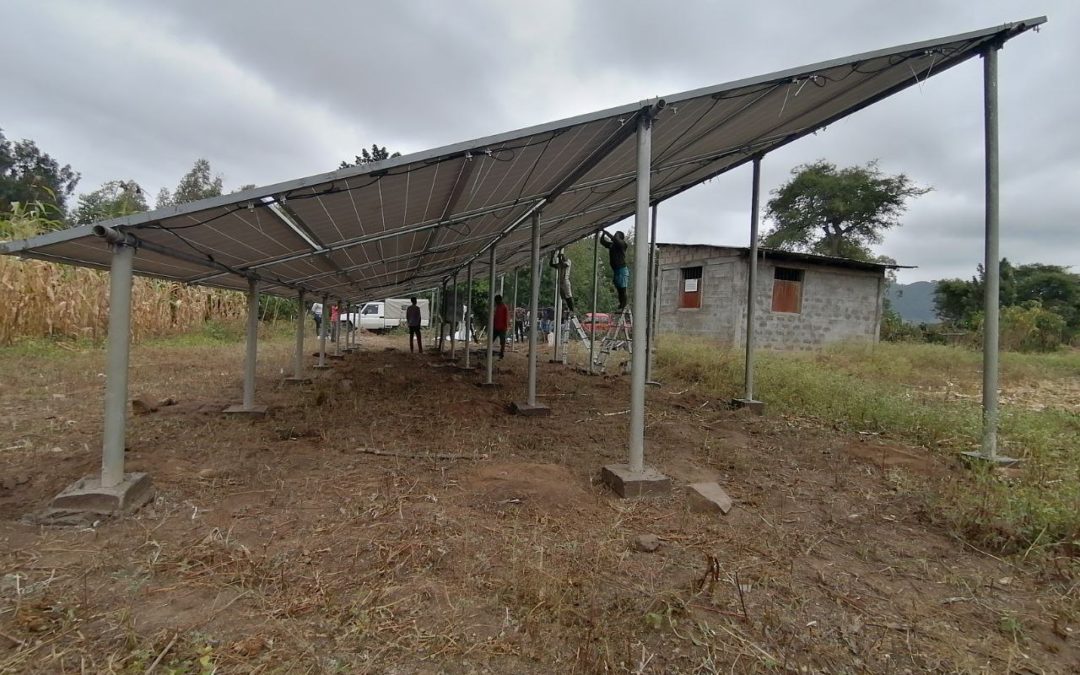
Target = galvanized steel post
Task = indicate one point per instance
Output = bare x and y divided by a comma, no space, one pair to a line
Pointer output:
751,281
991,263
250,356
118,351
337,329
298,357
592,320
514,316
557,309
534,306
468,312
324,324
455,308
650,334
641,270
491,316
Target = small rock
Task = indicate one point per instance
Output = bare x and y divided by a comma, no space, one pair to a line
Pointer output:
141,406
210,473
709,497
646,543
167,402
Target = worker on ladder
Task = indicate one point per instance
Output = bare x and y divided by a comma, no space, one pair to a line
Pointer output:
562,264
620,273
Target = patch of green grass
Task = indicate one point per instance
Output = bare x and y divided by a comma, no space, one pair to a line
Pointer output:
882,388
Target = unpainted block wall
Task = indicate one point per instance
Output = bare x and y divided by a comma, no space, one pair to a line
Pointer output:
719,304
837,303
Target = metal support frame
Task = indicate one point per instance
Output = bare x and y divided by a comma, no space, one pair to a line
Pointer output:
557,328
751,282
491,318
992,260
251,353
534,307
468,314
641,270
454,320
513,317
337,329
324,325
595,281
650,339
116,359
298,356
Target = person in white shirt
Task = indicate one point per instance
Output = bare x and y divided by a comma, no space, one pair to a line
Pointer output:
316,314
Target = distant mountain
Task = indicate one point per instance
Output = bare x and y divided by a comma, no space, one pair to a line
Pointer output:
914,302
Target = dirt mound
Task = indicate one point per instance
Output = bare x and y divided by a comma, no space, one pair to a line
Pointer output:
886,457
545,486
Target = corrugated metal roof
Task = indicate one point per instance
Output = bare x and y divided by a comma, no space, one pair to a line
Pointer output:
795,256
403,224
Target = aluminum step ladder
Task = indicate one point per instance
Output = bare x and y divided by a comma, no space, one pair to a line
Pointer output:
616,339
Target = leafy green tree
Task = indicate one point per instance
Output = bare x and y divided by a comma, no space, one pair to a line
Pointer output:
199,183
113,199
376,154
837,212
30,176
1051,289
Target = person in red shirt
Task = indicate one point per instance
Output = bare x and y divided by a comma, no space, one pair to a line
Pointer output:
501,324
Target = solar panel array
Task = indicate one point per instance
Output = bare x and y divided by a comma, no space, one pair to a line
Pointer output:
404,224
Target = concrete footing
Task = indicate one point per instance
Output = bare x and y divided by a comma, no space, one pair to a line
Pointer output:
88,496
756,407
996,460
239,409
538,410
626,483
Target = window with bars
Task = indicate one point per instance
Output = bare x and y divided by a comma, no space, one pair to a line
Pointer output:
690,291
787,290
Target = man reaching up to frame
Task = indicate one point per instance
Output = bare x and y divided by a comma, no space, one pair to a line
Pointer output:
620,273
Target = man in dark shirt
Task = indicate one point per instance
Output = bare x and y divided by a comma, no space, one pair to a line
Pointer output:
500,324
414,320
620,273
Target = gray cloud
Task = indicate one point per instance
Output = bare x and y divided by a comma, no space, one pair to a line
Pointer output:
274,90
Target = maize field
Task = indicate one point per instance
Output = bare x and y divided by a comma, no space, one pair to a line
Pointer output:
47,300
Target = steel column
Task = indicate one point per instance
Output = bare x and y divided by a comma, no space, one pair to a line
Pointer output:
337,329
751,281
513,317
592,322
454,320
250,356
640,305
468,312
116,364
991,263
324,324
557,328
298,357
534,307
491,317
650,333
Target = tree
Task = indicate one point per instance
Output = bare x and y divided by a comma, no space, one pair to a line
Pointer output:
30,176
1050,288
113,199
837,212
199,183
377,154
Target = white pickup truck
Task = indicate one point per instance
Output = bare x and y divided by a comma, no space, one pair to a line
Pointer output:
386,314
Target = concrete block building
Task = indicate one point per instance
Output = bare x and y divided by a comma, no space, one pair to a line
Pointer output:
803,301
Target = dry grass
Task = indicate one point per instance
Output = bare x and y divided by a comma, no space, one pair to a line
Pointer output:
47,300
274,546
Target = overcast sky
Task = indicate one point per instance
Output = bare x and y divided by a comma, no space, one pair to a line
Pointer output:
270,90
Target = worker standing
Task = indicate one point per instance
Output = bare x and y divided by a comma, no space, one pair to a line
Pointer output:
414,321
500,324
562,264
620,273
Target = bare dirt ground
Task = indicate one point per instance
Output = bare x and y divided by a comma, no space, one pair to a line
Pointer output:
278,545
